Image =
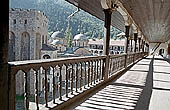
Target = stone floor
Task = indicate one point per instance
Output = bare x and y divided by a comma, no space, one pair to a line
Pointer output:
145,86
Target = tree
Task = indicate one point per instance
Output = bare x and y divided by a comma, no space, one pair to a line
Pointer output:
68,36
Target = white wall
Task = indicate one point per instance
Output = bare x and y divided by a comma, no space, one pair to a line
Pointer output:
162,46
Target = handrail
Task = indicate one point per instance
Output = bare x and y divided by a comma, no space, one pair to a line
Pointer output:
16,65
69,75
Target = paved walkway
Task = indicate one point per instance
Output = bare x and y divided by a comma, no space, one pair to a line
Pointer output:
146,86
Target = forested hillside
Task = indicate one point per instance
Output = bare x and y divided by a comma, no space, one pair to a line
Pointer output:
58,11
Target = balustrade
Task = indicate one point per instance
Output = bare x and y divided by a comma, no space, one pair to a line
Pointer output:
56,80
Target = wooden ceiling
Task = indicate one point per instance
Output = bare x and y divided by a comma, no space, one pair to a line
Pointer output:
94,8
152,16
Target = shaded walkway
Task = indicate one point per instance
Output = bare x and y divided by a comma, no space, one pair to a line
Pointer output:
145,86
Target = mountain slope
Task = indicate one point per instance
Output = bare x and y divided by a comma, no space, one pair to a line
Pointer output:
58,11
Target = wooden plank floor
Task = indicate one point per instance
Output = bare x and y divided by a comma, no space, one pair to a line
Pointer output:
145,86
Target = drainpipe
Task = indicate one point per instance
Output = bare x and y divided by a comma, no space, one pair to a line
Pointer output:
107,24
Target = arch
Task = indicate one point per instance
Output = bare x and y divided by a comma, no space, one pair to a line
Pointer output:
25,46
46,56
11,47
161,52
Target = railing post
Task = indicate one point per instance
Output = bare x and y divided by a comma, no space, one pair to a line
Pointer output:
12,90
4,75
135,39
107,24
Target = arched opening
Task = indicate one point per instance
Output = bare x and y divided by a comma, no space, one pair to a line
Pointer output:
11,47
46,57
161,52
25,46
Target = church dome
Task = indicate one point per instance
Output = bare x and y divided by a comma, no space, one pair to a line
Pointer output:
57,34
80,37
55,42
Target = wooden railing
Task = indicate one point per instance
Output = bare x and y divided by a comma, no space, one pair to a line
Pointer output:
69,76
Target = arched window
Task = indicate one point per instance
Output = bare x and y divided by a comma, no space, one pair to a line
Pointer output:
25,46
46,40
43,40
11,47
25,22
46,57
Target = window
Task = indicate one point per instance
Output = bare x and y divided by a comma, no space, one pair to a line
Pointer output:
25,22
14,21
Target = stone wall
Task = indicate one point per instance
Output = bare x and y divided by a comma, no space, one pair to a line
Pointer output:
28,31
31,23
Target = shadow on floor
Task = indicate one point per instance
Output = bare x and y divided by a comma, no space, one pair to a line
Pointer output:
123,94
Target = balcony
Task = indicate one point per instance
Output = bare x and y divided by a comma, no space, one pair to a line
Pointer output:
72,78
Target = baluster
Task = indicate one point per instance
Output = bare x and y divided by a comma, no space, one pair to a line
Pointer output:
110,66
88,73
91,72
85,75
113,64
54,86
26,94
76,77
94,72
36,90
97,71
66,85
103,66
100,70
119,63
46,89
72,78
60,83
81,77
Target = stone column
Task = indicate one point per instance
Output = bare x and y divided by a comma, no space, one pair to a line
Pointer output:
107,24
127,38
139,39
4,75
131,44
135,39
126,43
